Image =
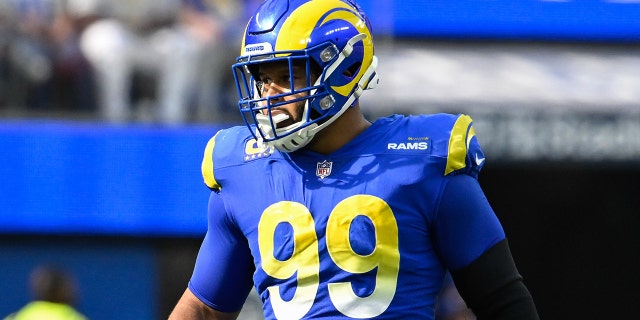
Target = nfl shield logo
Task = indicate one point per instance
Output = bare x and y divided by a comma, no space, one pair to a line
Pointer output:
323,169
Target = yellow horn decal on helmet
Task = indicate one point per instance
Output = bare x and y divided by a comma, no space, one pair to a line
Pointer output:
368,44
296,30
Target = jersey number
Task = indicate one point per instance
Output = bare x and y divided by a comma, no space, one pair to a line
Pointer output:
305,260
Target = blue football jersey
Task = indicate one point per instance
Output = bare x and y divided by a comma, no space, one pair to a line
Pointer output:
366,232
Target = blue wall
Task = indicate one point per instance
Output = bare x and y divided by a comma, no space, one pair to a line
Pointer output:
89,178
598,20
70,191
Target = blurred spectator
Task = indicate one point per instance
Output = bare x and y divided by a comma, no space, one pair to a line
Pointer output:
160,51
54,294
73,79
215,79
41,66
4,39
27,52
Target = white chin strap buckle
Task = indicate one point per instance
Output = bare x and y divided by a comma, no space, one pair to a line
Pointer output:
265,124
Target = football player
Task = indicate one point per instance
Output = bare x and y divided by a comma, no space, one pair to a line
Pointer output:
328,215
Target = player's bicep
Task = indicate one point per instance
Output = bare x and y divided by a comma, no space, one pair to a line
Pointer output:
465,225
222,276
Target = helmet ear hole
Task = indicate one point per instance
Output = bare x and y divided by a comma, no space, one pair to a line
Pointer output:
315,114
352,70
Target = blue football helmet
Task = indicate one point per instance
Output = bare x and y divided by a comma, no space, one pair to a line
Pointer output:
331,39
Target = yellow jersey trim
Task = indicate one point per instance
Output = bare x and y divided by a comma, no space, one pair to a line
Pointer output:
207,165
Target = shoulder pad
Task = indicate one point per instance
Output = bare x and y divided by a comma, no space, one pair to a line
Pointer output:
229,148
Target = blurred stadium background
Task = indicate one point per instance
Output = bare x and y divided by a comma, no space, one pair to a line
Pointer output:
553,87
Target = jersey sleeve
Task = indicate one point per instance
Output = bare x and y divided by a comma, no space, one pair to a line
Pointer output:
222,276
464,153
465,225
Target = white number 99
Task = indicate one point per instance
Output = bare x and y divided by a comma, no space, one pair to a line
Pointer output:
306,262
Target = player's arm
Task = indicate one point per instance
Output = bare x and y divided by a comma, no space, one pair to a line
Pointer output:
222,276
493,288
472,244
191,308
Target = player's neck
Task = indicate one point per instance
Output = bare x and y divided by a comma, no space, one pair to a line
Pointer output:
344,129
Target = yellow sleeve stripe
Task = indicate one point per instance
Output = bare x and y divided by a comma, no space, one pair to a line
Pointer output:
458,144
207,165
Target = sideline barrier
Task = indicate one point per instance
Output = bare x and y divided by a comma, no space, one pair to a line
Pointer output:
60,177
